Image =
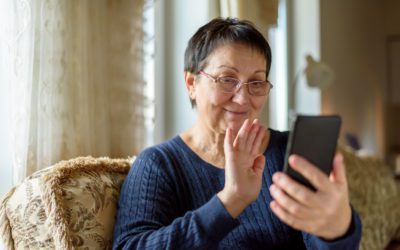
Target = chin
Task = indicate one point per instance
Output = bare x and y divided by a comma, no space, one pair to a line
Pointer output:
235,126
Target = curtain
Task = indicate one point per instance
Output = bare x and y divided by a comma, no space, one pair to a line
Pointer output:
263,13
75,72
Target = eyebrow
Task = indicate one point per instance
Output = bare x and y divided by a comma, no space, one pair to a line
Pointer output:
235,69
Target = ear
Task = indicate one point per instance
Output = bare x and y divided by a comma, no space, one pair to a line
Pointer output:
190,83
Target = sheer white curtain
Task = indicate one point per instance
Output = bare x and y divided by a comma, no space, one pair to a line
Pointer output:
75,72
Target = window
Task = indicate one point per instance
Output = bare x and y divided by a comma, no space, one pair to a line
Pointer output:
149,62
5,124
278,103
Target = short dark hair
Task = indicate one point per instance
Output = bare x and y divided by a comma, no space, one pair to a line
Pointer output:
221,31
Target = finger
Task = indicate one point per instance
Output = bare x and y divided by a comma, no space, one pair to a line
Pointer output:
228,140
338,173
255,127
241,137
258,140
286,217
291,206
295,190
315,176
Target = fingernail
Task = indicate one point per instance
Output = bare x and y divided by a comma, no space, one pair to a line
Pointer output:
293,160
276,177
272,188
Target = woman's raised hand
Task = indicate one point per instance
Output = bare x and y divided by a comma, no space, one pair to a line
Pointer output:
244,167
326,212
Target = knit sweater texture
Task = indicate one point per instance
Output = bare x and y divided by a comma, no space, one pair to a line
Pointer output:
168,201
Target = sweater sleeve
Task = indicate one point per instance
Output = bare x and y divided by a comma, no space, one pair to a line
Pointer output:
350,241
148,212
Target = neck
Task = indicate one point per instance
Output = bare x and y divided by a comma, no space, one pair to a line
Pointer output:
207,143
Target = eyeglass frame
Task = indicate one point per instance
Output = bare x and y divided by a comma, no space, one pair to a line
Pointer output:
238,85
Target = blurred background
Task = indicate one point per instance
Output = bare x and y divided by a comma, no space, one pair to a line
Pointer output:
105,78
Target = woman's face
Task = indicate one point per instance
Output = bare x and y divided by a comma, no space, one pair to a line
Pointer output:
218,110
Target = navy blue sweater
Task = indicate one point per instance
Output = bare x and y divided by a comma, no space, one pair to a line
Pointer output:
168,201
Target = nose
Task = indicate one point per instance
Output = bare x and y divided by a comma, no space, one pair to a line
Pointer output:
241,96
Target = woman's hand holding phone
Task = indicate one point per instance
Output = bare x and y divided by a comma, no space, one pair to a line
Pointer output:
325,212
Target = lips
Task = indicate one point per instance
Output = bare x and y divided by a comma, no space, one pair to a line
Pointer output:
236,112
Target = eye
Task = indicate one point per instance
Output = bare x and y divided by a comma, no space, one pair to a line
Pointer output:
258,83
228,80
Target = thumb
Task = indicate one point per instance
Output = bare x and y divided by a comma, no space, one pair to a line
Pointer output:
338,172
259,164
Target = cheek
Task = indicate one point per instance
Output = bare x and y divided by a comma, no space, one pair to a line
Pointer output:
220,99
258,104
212,101
212,108
257,107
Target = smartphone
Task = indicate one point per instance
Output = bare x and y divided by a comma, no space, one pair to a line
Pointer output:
315,139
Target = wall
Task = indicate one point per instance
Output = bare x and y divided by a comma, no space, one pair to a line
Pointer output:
392,24
353,44
392,17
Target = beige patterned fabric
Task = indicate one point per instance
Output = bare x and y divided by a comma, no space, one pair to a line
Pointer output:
376,197
70,205
22,216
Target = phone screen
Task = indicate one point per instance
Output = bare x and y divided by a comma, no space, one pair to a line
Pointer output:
315,139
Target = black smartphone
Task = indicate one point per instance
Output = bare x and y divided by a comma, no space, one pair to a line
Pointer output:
314,138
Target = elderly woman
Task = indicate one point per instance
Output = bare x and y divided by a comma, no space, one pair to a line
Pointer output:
219,184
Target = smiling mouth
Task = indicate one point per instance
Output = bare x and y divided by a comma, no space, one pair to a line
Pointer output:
236,112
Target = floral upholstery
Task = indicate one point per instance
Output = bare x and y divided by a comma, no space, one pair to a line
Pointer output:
26,216
71,205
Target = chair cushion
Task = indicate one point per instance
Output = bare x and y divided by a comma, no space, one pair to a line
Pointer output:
375,196
23,217
69,205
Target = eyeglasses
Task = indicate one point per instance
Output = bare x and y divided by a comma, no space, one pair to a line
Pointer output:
231,85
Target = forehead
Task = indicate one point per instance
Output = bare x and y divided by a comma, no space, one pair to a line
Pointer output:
237,55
